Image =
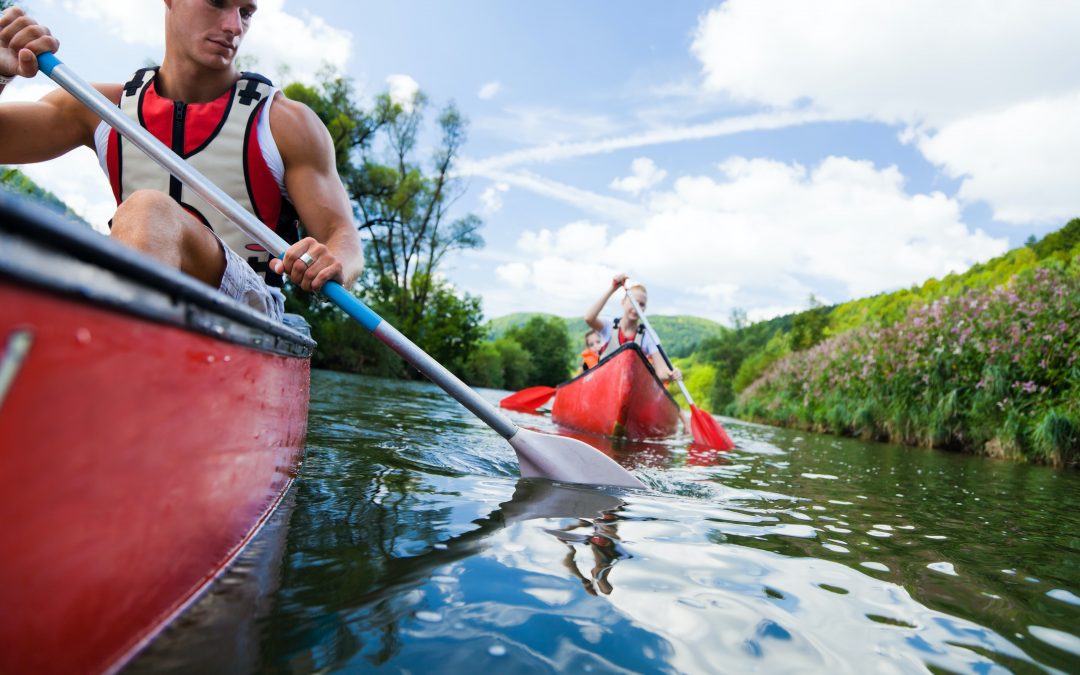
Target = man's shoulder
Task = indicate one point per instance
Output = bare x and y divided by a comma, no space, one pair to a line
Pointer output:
292,116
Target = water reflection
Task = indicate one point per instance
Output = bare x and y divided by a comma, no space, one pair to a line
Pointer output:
412,547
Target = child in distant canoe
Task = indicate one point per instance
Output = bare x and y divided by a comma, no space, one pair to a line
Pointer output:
594,344
627,328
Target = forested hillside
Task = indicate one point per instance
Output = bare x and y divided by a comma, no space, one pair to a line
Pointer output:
681,335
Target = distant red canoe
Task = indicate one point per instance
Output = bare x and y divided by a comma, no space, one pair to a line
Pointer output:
149,427
620,397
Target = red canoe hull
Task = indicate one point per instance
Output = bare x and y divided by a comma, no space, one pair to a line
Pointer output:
620,397
138,457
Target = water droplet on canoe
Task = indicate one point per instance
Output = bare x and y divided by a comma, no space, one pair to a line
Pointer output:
83,336
227,358
218,329
210,358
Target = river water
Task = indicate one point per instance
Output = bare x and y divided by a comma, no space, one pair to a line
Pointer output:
409,545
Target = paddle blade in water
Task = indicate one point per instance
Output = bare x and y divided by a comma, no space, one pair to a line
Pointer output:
567,460
527,400
707,431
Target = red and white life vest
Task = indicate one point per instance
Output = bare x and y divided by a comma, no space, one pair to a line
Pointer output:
220,139
617,340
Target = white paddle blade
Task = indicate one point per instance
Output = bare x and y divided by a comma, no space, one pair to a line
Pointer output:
567,460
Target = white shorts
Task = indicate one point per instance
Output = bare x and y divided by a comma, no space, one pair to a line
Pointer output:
243,284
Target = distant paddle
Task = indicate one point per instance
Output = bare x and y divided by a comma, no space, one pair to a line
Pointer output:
539,455
528,400
706,431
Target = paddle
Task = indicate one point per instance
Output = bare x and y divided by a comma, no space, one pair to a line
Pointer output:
540,455
527,400
706,430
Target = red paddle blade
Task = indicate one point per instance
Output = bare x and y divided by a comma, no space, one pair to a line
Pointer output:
707,431
527,400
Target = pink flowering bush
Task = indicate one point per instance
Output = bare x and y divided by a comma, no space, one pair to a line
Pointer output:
994,371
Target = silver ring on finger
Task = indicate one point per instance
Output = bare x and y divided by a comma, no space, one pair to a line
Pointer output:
307,260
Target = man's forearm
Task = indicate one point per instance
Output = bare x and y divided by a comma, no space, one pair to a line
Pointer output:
592,315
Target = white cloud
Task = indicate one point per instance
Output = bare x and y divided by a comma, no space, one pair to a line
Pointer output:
516,274
543,125
907,62
403,90
761,234
489,90
565,149
298,44
491,198
1022,159
644,174
134,22
590,202
580,240
979,83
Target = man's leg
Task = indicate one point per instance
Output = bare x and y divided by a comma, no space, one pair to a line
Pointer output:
153,223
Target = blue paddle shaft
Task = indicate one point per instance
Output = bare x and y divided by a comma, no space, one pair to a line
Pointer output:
253,227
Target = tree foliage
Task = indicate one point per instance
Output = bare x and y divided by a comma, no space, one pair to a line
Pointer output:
404,208
549,348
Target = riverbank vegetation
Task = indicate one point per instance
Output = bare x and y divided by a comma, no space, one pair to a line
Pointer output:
983,362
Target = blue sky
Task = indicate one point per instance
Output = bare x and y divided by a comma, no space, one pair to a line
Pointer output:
738,154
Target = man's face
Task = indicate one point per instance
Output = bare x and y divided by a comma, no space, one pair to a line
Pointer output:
208,31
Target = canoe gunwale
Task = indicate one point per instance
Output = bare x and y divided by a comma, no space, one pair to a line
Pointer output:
629,346
45,250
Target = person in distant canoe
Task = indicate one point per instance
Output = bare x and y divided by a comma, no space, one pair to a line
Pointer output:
628,327
590,356
270,154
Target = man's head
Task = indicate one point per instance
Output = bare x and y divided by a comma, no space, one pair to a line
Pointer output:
207,32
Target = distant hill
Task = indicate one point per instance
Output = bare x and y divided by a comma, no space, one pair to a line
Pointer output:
681,335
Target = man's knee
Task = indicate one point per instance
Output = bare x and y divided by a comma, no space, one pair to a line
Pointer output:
145,215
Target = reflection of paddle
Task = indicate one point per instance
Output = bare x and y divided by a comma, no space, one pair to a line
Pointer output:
527,400
540,455
706,430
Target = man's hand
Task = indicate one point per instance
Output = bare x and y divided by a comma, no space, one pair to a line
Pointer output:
21,40
309,265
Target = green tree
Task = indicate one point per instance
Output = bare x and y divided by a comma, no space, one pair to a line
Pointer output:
808,328
549,348
405,208
406,211
485,367
449,328
516,363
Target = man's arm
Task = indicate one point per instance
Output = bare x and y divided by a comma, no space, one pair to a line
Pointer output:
314,186
45,129
592,315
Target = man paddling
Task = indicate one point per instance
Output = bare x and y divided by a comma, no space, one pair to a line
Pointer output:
269,153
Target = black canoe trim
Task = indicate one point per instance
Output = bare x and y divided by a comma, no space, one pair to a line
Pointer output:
629,346
43,249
